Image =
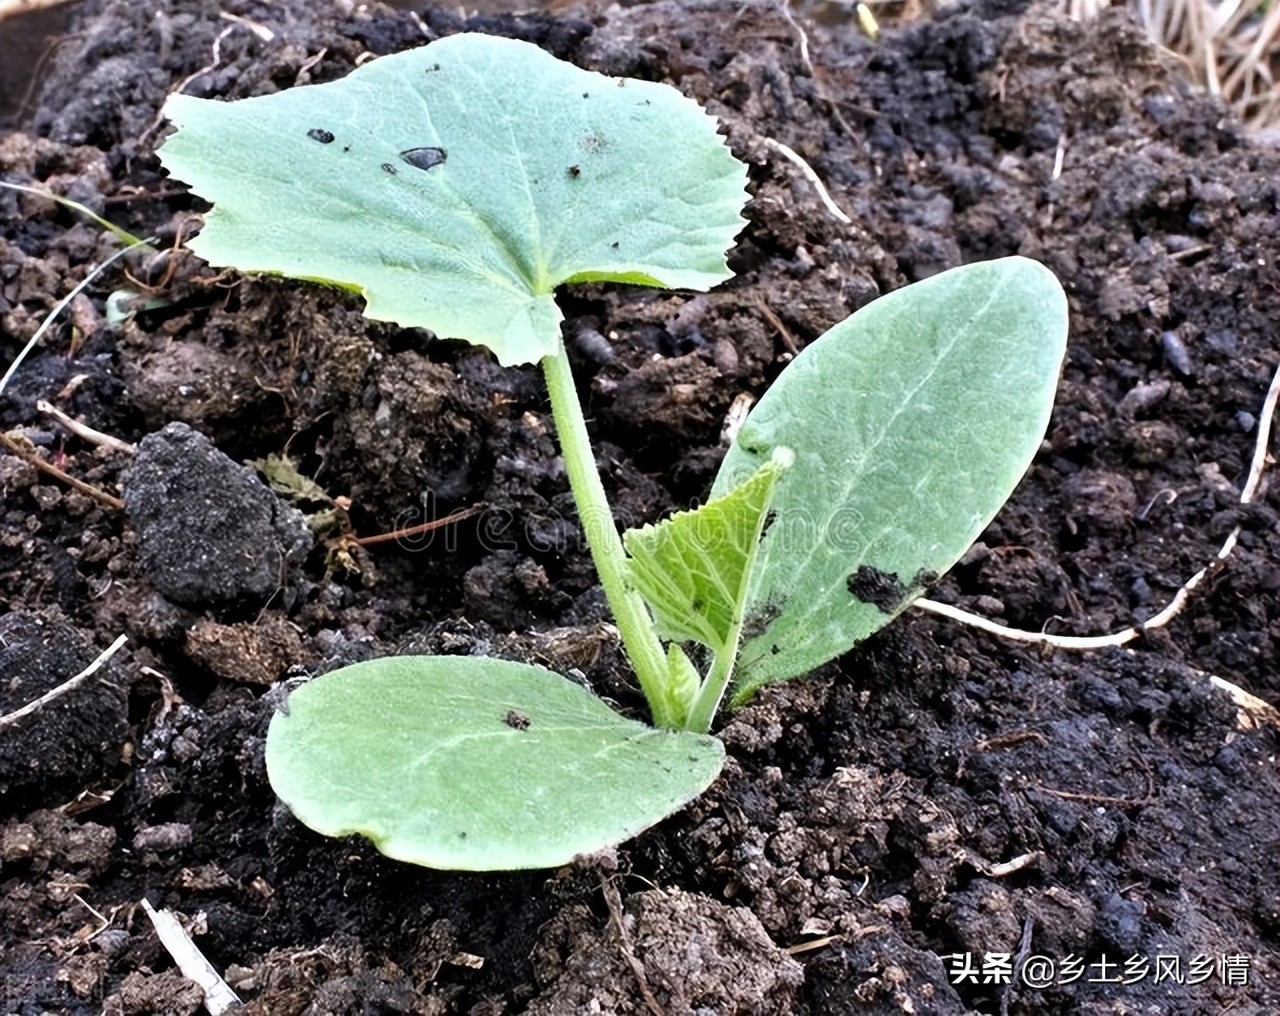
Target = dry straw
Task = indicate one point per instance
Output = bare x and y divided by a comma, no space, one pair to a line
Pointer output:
1230,47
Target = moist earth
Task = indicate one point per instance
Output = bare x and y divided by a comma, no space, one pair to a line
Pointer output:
938,795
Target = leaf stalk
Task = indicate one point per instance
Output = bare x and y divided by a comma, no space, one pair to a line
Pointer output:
707,703
635,624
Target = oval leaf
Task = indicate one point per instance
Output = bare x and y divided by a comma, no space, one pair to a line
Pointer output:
476,764
911,422
458,184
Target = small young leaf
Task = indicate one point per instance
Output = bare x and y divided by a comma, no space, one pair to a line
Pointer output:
693,568
911,423
683,681
458,184
476,764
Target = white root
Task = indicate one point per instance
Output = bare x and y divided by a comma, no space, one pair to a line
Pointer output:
83,431
70,685
1179,600
811,175
61,306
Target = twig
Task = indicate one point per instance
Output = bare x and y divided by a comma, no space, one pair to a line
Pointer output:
613,901
104,922
1004,868
1123,802
218,996
61,305
1119,802
1190,252
8,719
1009,740
260,30
29,456
783,331
418,530
792,156
811,945
83,431
1179,601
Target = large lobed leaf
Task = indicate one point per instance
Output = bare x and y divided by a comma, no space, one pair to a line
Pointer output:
458,184
911,422
476,764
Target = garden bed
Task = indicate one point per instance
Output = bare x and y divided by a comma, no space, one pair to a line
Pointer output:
937,792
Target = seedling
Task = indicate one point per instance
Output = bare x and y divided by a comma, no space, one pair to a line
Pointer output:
456,187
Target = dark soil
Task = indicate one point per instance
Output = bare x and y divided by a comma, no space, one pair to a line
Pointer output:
857,837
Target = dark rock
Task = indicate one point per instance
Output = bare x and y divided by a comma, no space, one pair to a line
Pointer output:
209,532
1119,923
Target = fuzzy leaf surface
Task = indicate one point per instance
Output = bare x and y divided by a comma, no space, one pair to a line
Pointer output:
456,185
476,764
911,423
693,568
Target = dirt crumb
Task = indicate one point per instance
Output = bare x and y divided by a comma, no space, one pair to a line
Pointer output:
56,751
257,653
209,532
696,955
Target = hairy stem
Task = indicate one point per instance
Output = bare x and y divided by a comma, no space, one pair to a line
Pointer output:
707,703
634,622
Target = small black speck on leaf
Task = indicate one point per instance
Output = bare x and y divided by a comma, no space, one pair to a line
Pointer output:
320,134
433,68
574,172
614,245
516,720
387,167
424,158
881,589
586,95
346,148
759,620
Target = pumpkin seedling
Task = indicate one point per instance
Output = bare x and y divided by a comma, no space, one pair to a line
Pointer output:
456,187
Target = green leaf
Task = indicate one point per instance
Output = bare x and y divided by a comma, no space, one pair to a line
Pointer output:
476,764
458,184
683,682
911,422
693,568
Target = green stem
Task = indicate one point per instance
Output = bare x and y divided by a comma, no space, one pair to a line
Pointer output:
707,702
634,623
